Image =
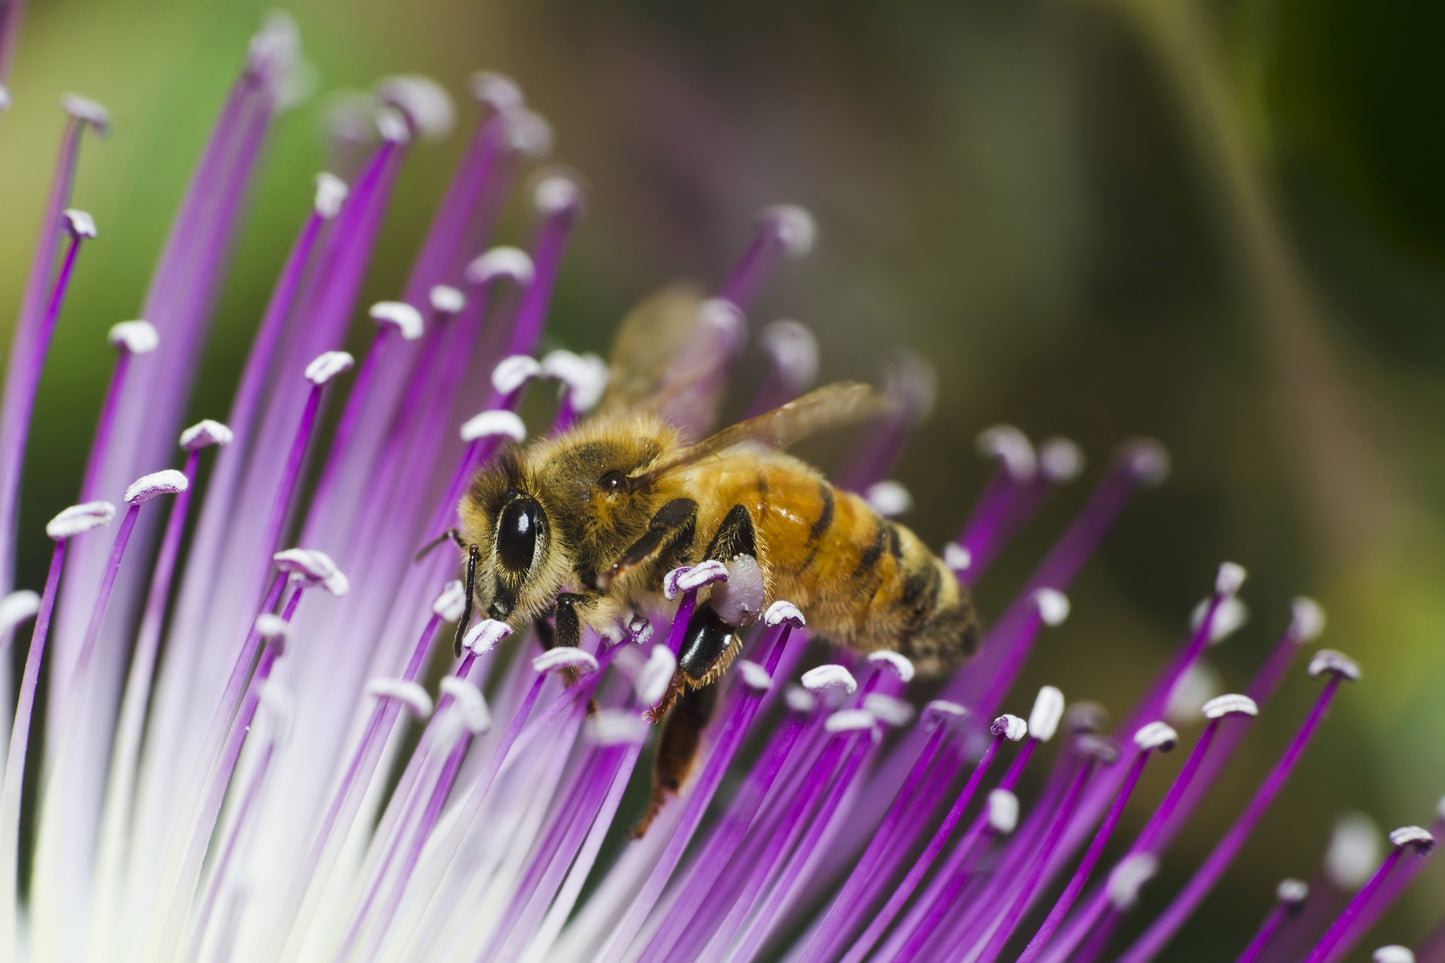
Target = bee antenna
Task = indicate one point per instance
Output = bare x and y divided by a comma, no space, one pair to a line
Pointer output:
450,533
473,553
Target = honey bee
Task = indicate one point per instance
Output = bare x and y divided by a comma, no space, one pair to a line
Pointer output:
580,529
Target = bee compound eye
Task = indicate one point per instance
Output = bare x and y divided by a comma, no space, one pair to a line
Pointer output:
517,533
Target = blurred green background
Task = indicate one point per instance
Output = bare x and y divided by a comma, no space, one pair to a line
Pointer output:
1215,223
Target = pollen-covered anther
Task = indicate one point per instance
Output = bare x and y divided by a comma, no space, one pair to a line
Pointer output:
832,676
205,433
278,708
1003,812
783,611
485,635
316,567
490,423
501,263
4,97
528,134
691,578
1292,892
722,317
16,608
1011,727
468,704
1394,953
1145,459
446,300
272,627
392,125
399,315
1052,604
585,376
78,223
640,629
1307,619
615,727
409,694
889,498
944,712
557,193
76,519
168,481
331,193
451,602
565,658
794,350
655,675
1230,615
426,104
328,365
799,700
1099,748
1156,736
134,337
1195,687
1353,852
1229,579
1419,839
86,111
895,662
890,710
849,720
514,371
754,676
1334,663
497,91
1048,710
1011,448
1230,705
1061,460
1129,877
957,557
794,226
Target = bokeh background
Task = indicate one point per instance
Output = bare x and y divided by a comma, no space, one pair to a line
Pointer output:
1216,223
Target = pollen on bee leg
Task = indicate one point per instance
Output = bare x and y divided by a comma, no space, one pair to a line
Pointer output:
738,599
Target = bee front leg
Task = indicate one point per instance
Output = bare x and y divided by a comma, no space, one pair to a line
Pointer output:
568,615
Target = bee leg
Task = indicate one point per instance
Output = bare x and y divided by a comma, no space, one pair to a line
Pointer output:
677,749
473,554
735,536
672,525
545,636
569,627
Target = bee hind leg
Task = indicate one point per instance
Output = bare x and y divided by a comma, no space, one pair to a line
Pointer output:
677,749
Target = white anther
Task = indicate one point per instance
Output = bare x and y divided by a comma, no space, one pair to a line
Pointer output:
468,704
556,193
275,48
1292,892
1156,735
447,300
278,708
4,97
409,694
585,376
1097,747
701,575
1394,953
1052,604
640,629
724,319
1230,579
1048,710
514,371
1086,717
205,433
849,720
328,365
485,635
911,382
896,662
1129,877
78,223
1230,615
1003,812
272,627
508,263
392,126
1440,809
490,423
165,482
564,657
944,711
497,91
1328,660
890,710
889,499
331,193
655,676
86,110
313,566
76,519
831,676
528,134
794,226
399,315
799,700
1196,686
452,601
1012,448
1307,619
423,100
135,337
1353,852
1416,837
794,351
957,557
1147,460
754,676
16,608
1230,705
1060,460
1011,727
614,727
782,611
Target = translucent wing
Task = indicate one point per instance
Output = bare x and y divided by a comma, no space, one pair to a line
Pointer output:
671,356
832,406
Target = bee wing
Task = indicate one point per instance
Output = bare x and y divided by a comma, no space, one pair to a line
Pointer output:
670,357
832,406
